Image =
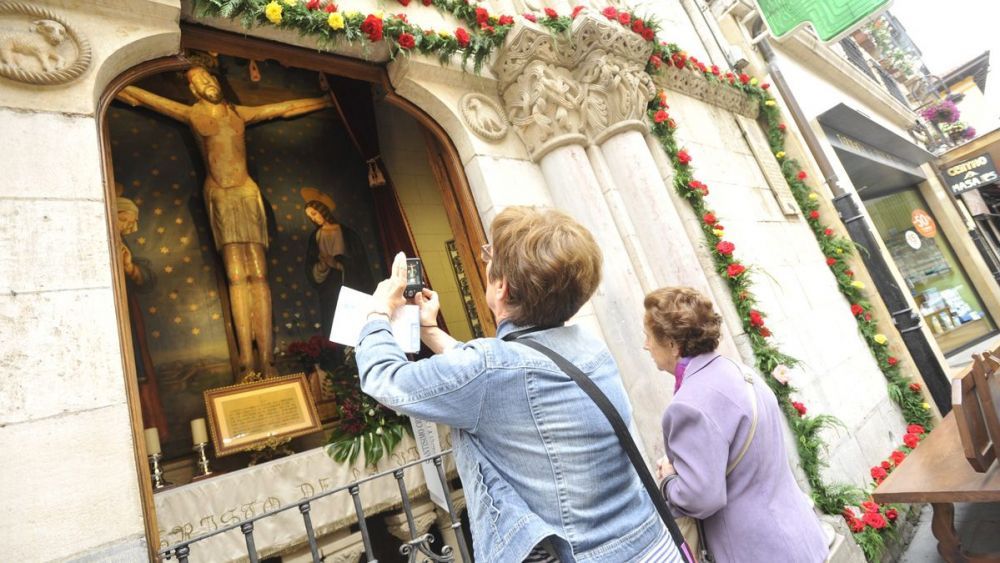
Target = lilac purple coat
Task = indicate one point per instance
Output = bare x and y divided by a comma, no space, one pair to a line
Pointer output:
758,512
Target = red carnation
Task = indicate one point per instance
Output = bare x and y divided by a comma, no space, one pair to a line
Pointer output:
735,269
828,232
406,41
530,17
486,28
849,273
857,309
506,20
802,175
330,8
482,16
428,2
744,78
897,457
709,218
915,387
891,514
756,319
372,27
660,116
684,157
831,261
799,407
911,440
679,60
462,37
404,2
765,332
648,34
878,473
886,465
868,316
892,361
715,70
765,86
814,215
624,18
702,68
638,26
874,519
610,13
314,4
870,506
656,61
725,248
576,11
856,525
551,14
781,127
698,186
915,429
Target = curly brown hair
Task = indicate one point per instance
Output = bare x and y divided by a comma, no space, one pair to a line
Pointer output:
552,264
685,317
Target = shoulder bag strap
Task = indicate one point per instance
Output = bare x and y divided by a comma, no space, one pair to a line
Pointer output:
753,421
624,438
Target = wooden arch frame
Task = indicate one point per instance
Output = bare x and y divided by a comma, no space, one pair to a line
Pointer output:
456,194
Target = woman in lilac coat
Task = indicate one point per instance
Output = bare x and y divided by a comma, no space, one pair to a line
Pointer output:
719,468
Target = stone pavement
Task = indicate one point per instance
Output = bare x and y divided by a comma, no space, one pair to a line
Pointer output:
978,526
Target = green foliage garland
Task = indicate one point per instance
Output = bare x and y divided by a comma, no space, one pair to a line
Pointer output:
315,18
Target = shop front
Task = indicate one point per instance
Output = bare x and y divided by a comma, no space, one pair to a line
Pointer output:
972,176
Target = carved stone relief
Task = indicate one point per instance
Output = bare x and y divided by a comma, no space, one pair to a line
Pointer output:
711,92
617,91
39,47
484,116
544,105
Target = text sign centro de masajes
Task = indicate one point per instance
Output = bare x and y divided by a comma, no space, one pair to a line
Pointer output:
830,18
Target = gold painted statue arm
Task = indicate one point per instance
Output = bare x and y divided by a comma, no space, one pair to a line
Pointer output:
290,108
134,96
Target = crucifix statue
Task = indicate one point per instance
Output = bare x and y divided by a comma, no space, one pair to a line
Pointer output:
235,207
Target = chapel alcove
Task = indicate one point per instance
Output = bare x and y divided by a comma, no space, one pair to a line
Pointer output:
184,336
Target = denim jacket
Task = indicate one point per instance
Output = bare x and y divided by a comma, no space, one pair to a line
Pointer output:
537,458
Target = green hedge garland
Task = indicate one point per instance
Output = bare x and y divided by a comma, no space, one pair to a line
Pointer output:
322,20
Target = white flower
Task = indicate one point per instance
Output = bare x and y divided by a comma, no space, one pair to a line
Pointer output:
781,373
371,412
378,431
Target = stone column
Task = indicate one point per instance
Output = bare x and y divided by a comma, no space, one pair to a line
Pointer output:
550,110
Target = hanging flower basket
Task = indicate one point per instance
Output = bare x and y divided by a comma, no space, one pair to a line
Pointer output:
941,112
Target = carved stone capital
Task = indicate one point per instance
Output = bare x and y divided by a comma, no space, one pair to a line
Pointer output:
423,518
575,90
39,47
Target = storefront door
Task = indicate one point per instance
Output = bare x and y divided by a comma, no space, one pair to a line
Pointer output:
946,298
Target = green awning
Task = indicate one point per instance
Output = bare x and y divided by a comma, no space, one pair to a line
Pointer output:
830,18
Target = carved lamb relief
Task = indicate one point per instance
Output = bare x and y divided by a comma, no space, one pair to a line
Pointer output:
38,47
484,116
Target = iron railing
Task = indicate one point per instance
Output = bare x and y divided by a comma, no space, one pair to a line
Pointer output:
417,545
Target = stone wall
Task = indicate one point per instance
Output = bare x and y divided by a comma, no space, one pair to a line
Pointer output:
68,476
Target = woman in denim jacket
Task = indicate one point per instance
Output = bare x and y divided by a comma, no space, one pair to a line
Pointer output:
544,476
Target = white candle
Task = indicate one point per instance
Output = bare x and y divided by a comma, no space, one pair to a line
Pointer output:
152,441
198,432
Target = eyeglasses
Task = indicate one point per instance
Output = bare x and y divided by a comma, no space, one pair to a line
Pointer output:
486,252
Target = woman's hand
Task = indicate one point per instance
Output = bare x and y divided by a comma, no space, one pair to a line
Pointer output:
430,305
389,293
664,468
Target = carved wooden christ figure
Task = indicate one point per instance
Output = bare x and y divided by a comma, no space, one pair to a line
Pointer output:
235,207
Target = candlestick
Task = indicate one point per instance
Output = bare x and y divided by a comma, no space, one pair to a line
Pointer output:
203,469
199,434
156,471
152,441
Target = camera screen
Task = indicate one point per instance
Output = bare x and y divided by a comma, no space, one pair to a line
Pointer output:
413,276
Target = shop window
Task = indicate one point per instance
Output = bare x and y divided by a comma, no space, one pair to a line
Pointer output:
947,300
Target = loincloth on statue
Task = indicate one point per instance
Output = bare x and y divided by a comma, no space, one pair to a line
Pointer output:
236,214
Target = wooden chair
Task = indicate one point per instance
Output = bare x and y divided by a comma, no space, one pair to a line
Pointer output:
986,372
977,443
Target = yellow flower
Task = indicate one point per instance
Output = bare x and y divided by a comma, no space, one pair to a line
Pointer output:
840,251
857,285
273,12
718,232
352,14
926,406
335,21
378,14
770,103
780,154
813,196
444,34
753,81
881,339
291,2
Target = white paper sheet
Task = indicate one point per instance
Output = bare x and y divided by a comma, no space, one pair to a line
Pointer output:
352,313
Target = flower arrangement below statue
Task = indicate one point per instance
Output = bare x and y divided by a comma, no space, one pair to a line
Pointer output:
363,425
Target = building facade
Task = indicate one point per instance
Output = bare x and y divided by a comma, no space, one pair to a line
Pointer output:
426,155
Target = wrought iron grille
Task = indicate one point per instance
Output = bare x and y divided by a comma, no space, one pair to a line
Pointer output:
856,57
891,86
418,545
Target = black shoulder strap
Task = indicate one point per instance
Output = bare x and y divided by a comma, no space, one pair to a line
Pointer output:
624,437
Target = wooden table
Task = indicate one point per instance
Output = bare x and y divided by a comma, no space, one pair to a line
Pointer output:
937,472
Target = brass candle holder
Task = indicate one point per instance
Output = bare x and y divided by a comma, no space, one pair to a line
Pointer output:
157,471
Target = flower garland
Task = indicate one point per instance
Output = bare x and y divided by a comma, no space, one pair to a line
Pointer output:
323,20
